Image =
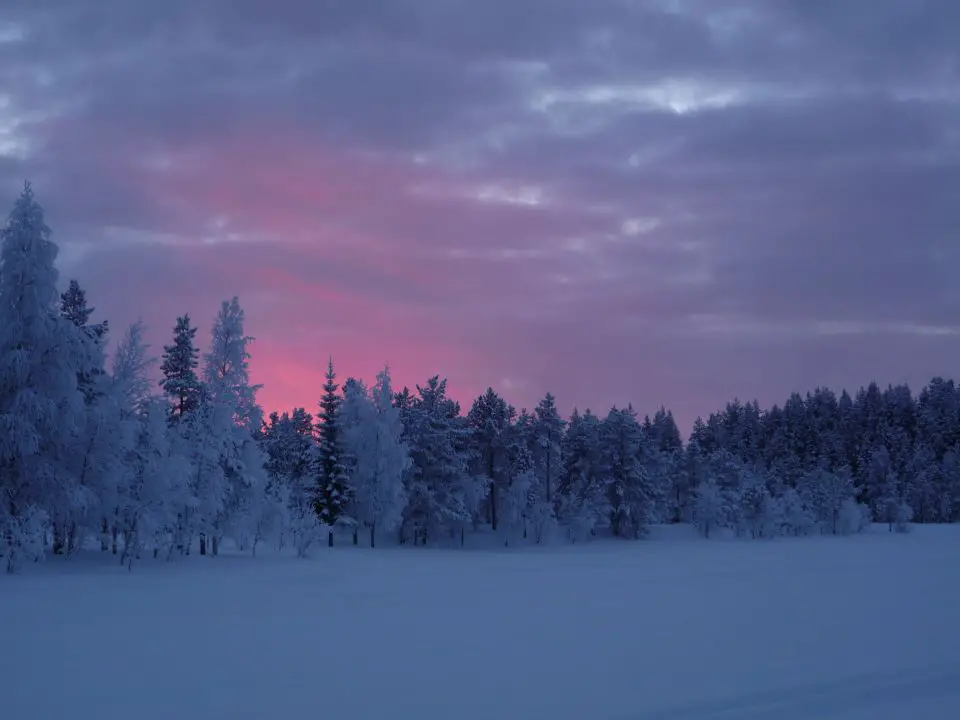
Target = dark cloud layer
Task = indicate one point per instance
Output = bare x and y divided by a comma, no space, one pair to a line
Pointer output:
671,202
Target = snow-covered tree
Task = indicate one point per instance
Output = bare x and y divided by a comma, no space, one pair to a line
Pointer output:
795,517
710,508
102,434
291,461
74,307
226,372
442,494
41,404
157,485
489,420
825,493
629,492
131,368
378,455
548,429
237,417
886,488
521,497
756,506
583,503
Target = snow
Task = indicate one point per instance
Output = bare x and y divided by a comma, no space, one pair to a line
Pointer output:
670,628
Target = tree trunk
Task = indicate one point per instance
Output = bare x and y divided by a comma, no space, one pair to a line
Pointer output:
373,535
104,535
114,534
203,544
72,539
493,495
59,543
215,545
356,535
330,538
179,534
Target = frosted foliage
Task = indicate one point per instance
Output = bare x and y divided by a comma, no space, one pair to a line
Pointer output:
22,537
229,474
227,365
797,519
854,517
287,510
824,494
583,504
442,494
157,486
548,431
514,506
95,456
628,487
372,436
41,354
756,507
304,527
131,368
710,508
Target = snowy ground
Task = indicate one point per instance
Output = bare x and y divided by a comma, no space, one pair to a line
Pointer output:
851,628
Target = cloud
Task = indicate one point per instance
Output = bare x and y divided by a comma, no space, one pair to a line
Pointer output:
652,201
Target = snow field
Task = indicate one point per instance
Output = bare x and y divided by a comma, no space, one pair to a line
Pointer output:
674,627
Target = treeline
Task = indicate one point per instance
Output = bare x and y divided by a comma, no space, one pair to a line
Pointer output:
94,450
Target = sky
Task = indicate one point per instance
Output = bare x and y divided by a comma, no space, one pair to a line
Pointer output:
671,202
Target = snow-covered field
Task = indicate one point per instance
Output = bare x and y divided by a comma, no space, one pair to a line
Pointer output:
852,628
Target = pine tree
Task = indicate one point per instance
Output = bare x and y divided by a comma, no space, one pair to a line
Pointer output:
291,461
73,307
179,367
548,428
629,494
489,420
583,502
100,440
442,494
521,499
332,482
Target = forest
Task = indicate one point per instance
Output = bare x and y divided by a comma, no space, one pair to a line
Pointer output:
145,455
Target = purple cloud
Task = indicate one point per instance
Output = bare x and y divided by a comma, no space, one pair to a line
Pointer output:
658,202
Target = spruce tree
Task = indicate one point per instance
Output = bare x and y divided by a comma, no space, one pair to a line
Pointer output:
332,482
91,377
40,401
179,369
73,307
490,419
442,493
548,430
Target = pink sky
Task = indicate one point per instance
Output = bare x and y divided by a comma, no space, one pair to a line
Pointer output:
656,203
